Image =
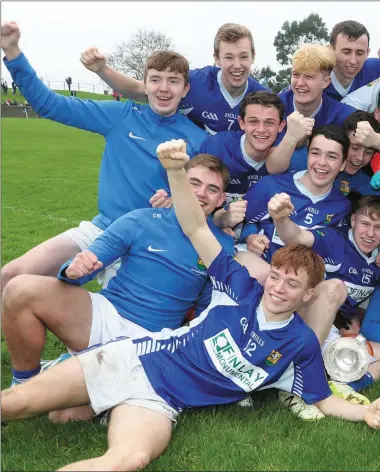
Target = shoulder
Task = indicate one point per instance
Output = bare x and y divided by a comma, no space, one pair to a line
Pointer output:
203,73
371,65
306,337
254,85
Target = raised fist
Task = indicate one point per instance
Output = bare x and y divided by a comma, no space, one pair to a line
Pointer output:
172,154
93,60
10,35
257,243
84,263
365,134
236,213
280,206
299,127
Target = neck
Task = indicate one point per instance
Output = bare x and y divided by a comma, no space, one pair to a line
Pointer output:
344,82
307,109
256,156
272,317
233,91
313,189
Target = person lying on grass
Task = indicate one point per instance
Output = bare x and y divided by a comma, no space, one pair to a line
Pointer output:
249,338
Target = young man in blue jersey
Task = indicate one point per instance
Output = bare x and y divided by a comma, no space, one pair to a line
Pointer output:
350,42
130,172
159,279
363,131
215,91
316,201
250,338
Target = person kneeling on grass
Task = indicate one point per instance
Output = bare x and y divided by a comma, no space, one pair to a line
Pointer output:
215,360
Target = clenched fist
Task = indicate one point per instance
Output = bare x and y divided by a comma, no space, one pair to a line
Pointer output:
93,60
161,199
299,127
366,136
172,154
280,206
10,35
257,243
84,263
236,213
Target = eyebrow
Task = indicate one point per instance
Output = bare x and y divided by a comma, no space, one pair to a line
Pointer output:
194,179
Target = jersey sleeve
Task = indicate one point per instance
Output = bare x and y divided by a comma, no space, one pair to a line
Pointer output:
95,116
361,99
230,277
211,145
375,162
361,183
258,196
112,244
310,380
324,241
344,112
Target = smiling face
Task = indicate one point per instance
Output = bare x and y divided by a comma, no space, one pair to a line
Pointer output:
207,187
308,86
350,56
235,61
358,156
284,292
164,90
324,162
366,231
261,125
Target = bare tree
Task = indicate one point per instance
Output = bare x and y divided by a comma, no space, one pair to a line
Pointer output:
130,57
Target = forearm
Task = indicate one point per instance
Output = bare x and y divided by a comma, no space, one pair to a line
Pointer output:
291,233
334,406
127,86
278,159
12,52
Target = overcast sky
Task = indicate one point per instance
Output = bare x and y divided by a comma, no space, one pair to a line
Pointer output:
55,33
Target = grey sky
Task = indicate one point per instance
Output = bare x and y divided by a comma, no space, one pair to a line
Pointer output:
55,33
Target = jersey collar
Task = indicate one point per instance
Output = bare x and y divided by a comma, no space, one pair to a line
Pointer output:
315,113
371,259
249,160
233,102
338,86
159,119
268,325
302,189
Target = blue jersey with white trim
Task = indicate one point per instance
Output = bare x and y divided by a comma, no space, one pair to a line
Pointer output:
130,172
310,211
229,147
359,182
161,275
369,72
364,98
231,349
344,260
210,107
331,111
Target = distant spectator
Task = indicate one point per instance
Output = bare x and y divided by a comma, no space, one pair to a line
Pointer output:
73,93
8,102
14,88
69,81
4,86
14,103
116,96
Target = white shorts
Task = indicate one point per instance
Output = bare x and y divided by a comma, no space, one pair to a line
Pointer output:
114,375
84,235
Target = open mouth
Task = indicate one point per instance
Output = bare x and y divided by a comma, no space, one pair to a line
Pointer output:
320,173
276,299
237,75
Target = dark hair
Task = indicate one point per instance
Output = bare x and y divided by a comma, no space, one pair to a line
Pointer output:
352,30
351,122
231,33
295,257
264,98
368,206
162,60
212,163
378,100
334,133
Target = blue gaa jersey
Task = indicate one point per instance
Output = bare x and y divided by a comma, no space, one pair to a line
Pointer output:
244,171
359,182
310,211
209,104
130,172
231,349
344,260
369,72
330,111
160,276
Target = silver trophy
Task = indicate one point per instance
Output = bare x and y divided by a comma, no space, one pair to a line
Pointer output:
346,359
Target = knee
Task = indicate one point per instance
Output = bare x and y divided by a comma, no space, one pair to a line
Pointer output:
13,406
334,291
9,272
18,292
134,460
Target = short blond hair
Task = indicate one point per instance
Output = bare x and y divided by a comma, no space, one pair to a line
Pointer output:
314,58
231,33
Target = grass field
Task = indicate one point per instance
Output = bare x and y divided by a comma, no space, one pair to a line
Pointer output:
49,184
87,95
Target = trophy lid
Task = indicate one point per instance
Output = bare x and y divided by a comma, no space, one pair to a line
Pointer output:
346,359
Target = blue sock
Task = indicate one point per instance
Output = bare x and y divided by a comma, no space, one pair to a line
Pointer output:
25,374
363,382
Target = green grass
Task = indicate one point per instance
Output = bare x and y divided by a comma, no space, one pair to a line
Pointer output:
49,184
86,95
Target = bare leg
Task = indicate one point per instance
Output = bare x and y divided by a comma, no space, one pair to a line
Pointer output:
44,259
136,436
320,312
30,304
61,386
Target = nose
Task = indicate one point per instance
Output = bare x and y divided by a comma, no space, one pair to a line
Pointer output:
301,80
370,231
353,59
200,191
164,85
236,63
279,287
359,156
